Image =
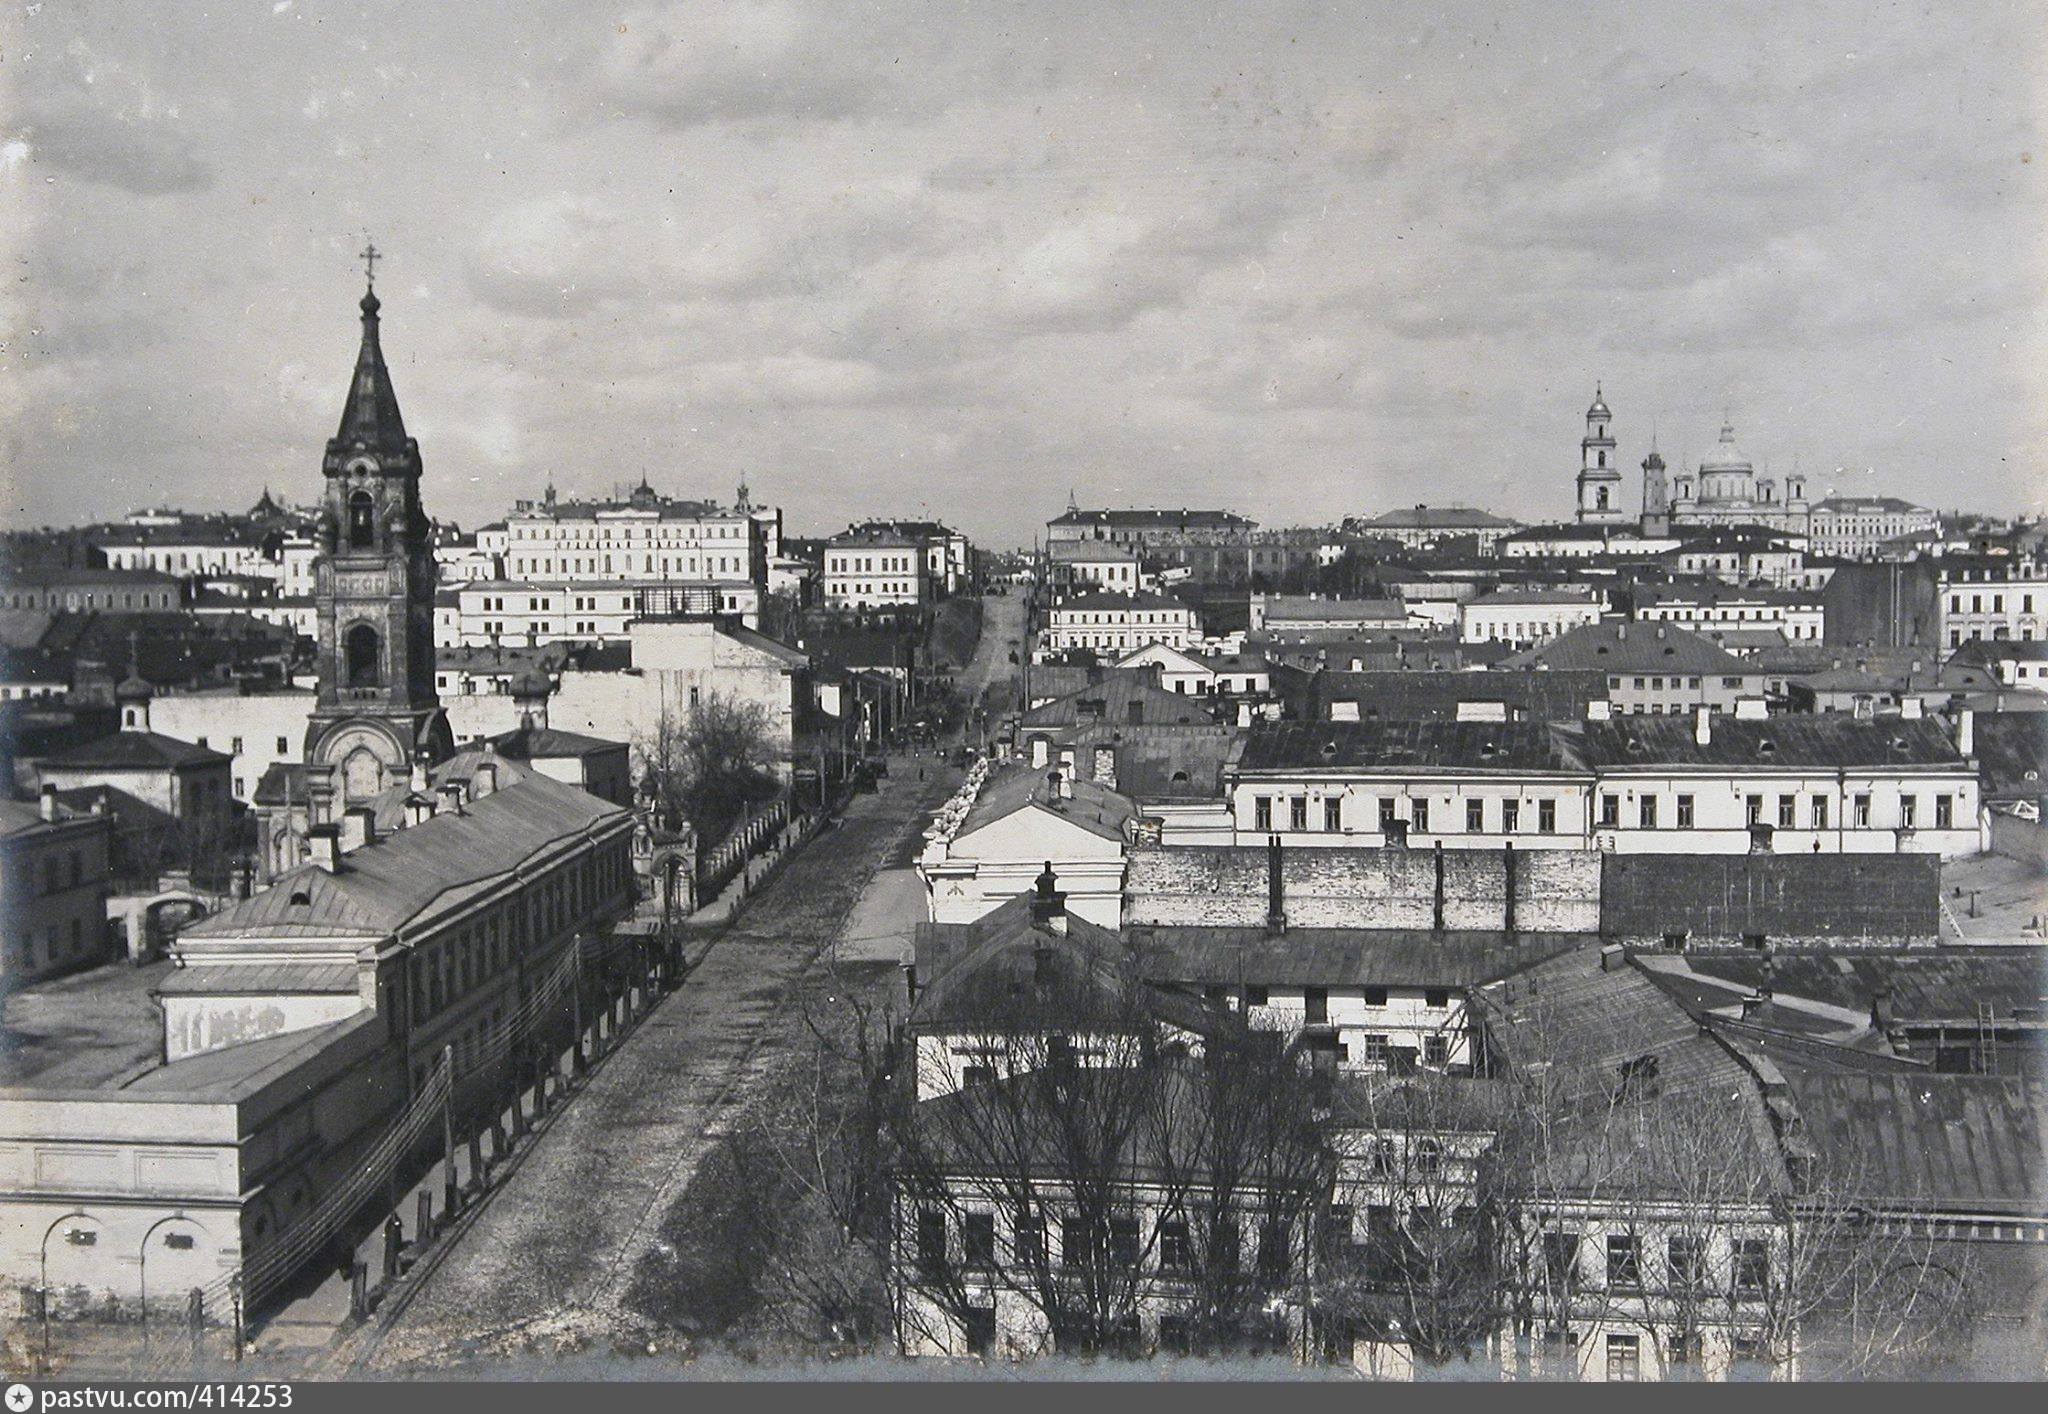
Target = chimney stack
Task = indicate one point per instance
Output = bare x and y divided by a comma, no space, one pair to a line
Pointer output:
1276,890
451,796
358,828
1910,708
1966,732
484,780
1048,904
1703,724
1507,922
50,810
323,847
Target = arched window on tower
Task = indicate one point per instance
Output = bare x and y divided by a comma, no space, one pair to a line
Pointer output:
1603,498
363,660
1603,459
362,521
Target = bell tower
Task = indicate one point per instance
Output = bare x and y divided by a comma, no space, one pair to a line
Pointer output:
1599,474
377,710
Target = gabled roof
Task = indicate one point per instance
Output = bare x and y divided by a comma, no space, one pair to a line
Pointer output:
1090,807
1446,518
1110,700
385,886
1632,648
2012,754
134,751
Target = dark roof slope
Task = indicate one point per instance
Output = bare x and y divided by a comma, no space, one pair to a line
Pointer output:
1392,745
1972,1143
1821,742
135,751
1632,648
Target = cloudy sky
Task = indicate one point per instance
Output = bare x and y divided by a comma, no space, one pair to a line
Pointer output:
956,258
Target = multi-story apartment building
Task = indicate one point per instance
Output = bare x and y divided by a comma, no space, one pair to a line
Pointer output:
189,546
1713,784
500,613
1741,554
645,537
1115,625
54,867
1524,617
1857,527
877,570
1426,527
84,591
1141,529
1798,615
948,557
1991,597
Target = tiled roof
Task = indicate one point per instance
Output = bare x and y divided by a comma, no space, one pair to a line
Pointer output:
1827,742
1401,746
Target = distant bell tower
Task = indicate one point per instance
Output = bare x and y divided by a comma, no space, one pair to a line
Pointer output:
1599,474
1656,494
377,711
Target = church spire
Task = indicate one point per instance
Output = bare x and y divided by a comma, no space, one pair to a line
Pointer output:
371,419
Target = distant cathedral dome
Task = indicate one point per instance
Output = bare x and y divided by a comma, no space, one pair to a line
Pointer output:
1726,456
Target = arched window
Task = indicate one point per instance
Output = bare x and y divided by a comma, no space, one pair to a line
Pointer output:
362,521
363,659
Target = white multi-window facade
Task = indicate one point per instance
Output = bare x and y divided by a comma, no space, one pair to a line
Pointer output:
876,574
1525,617
1992,602
1851,527
1120,624
505,614
646,537
1799,618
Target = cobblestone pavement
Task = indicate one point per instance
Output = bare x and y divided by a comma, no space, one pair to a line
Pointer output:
546,1265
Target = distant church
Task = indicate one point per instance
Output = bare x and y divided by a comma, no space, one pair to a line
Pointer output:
1723,490
377,715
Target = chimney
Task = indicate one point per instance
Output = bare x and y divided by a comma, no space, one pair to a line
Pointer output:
1611,957
1881,1009
484,780
50,810
1048,904
1966,732
323,847
1703,724
1599,709
1276,890
451,796
1752,1002
419,780
241,881
358,828
1910,708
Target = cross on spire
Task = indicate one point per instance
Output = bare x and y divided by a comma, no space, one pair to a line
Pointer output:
371,255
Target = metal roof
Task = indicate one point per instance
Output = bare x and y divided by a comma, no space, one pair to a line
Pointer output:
1826,742
1401,746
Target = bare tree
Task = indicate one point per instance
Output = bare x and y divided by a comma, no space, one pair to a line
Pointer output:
707,762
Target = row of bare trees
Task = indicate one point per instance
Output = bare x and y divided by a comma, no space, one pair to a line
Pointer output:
1114,1175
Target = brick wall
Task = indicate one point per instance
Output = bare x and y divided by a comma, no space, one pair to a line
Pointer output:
1877,899
1225,885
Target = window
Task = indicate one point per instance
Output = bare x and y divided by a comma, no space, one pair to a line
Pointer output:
1820,812
363,658
1375,996
1175,1252
976,1073
1685,812
1624,1357
1123,1240
362,522
1418,815
931,1241
1646,812
1610,811
1274,1251
1685,1261
1333,812
1315,1005
1944,812
1475,816
1297,813
1624,1263
1561,1260
1262,812
1510,816
1027,1241
978,1240
1787,804
1386,813
1546,816
1254,996
1374,1048
1752,1265
1436,1049
1909,810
